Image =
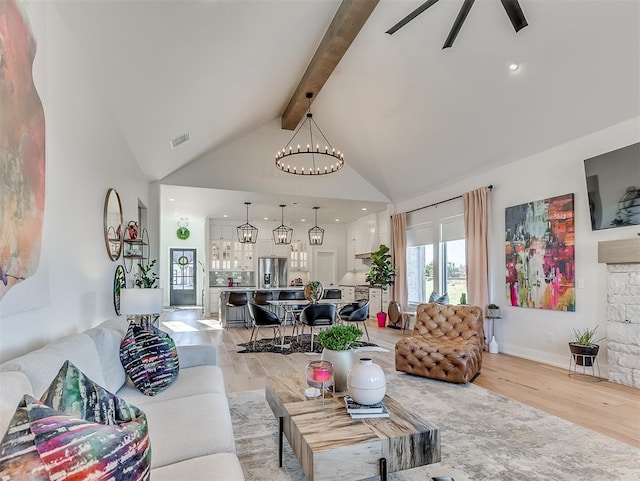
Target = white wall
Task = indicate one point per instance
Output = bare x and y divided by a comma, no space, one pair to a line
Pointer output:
85,155
526,332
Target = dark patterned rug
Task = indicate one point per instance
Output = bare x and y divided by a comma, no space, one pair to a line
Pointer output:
301,344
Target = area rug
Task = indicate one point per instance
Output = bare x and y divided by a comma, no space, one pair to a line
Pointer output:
299,344
484,437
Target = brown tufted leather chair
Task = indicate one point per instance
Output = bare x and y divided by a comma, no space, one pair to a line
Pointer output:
446,344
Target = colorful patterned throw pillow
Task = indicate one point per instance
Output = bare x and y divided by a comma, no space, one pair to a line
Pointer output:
150,358
43,444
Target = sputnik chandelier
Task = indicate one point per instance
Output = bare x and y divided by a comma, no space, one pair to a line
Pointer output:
310,154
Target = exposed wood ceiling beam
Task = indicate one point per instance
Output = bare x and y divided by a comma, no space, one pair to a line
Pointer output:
347,22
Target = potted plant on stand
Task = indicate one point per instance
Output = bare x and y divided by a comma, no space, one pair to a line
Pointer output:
381,275
337,342
585,348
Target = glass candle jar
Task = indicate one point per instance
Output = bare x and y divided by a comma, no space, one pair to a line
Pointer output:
319,377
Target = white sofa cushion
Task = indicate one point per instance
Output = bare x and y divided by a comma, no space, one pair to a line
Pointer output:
223,466
41,366
107,343
189,427
190,381
13,387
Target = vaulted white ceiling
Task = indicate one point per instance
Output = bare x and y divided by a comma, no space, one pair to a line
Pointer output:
408,115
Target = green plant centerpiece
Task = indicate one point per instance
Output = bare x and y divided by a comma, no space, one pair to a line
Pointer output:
146,278
337,342
313,291
381,274
339,337
585,347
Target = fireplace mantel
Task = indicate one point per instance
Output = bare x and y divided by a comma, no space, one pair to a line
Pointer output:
624,251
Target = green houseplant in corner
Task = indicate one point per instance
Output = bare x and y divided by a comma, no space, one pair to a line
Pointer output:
585,347
337,342
145,277
381,275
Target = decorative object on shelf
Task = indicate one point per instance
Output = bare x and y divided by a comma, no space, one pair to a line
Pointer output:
137,248
282,234
316,234
319,377
381,275
540,254
146,278
337,341
313,291
247,234
440,299
585,347
309,156
463,298
132,230
493,311
119,282
112,222
183,232
366,382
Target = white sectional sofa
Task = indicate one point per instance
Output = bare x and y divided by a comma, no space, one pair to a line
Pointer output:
189,423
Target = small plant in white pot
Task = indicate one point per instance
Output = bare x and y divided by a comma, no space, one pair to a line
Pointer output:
337,342
585,348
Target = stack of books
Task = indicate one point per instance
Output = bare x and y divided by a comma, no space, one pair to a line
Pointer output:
361,411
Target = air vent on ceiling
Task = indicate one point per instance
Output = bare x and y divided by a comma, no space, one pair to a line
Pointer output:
180,140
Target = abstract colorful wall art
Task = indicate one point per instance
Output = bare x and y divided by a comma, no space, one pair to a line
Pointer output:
540,256
22,151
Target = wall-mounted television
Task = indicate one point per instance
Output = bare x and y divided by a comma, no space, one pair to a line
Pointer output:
613,187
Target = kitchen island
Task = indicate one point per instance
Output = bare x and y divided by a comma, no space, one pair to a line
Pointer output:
239,316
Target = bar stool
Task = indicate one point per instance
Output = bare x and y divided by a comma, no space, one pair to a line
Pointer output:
238,299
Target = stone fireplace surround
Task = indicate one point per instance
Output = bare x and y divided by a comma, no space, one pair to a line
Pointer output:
623,309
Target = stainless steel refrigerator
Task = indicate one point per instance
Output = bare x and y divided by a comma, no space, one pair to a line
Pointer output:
273,272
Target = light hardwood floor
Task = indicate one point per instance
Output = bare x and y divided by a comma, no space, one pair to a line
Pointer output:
608,408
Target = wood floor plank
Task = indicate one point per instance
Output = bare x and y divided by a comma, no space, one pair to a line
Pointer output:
608,408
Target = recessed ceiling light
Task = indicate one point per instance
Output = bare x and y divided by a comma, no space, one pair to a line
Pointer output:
171,200
266,218
337,220
225,215
303,220
513,66
364,208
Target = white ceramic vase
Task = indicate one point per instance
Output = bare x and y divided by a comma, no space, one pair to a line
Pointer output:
342,362
366,382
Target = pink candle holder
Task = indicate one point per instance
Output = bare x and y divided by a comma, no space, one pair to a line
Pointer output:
319,377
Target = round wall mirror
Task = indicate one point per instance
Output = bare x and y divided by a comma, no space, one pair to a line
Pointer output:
112,219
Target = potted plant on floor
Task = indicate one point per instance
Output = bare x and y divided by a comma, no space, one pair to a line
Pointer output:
381,275
337,342
585,348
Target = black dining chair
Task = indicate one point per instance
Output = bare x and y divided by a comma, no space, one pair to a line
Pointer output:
317,315
238,299
356,312
261,317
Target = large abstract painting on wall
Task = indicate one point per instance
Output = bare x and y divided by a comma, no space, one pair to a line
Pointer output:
540,257
22,150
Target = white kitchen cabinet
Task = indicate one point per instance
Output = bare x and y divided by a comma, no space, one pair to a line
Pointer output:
242,256
299,260
348,293
375,296
214,300
366,234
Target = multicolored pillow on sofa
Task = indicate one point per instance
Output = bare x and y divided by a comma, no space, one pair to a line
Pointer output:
72,392
44,444
150,358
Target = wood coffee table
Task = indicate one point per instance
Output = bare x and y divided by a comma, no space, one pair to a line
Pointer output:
330,445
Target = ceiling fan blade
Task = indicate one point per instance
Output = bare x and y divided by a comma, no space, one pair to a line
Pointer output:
411,16
512,7
457,25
